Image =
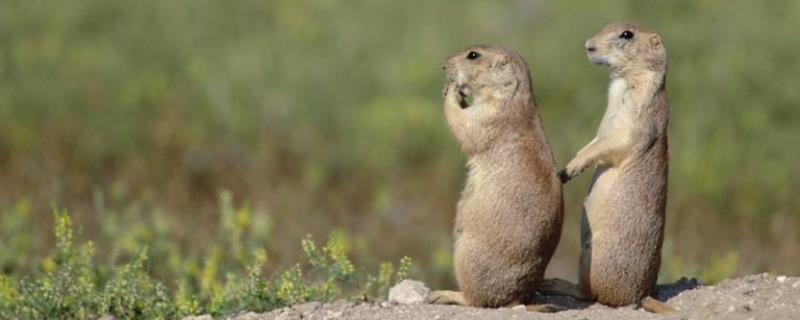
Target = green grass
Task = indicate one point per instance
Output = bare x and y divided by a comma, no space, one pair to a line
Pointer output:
71,285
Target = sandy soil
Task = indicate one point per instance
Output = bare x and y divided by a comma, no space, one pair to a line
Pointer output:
760,296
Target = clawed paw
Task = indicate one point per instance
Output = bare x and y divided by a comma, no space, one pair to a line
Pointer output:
574,167
563,176
433,298
445,297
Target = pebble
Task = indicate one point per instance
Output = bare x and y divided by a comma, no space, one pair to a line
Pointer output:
409,292
781,279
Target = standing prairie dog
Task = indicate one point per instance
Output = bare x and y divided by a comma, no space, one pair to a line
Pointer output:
509,217
623,221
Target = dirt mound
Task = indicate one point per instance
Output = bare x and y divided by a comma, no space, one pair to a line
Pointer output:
760,296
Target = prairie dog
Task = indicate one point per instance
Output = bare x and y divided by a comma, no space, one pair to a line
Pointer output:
622,227
509,217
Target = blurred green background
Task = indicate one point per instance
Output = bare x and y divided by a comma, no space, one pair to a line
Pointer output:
324,117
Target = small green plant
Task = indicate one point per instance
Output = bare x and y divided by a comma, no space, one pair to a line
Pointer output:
67,288
132,294
330,267
378,285
256,293
71,286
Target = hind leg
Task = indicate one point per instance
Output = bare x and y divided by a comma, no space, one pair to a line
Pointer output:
652,305
447,297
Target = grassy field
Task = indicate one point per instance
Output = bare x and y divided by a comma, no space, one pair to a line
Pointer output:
219,135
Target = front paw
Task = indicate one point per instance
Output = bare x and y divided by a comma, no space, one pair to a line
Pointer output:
574,167
563,176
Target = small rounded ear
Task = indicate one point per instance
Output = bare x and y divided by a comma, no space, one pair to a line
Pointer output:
501,62
655,40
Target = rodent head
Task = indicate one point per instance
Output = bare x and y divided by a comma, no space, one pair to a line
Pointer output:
487,96
482,72
622,47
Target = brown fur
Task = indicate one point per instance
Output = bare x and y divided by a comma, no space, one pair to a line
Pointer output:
509,217
623,221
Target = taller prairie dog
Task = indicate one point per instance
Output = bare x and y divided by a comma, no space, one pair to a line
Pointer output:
509,217
622,227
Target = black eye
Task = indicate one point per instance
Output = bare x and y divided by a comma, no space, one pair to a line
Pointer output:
626,35
472,55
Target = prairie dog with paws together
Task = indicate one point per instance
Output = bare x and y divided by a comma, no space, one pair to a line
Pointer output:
509,217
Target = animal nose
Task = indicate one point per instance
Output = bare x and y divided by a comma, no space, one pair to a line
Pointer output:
447,65
450,62
589,46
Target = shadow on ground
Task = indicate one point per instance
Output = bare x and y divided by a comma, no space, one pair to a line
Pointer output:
662,293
